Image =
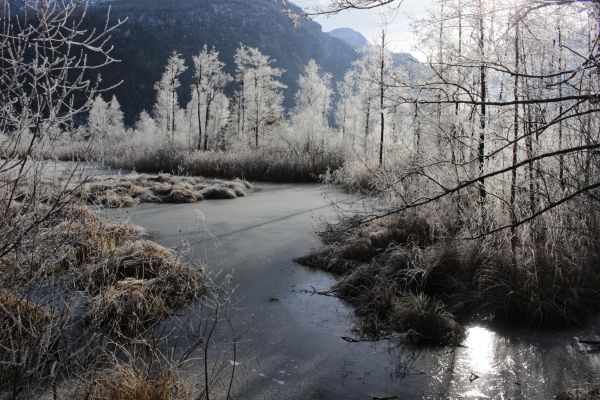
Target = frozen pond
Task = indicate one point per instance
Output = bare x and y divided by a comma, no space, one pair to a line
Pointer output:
292,346
54,170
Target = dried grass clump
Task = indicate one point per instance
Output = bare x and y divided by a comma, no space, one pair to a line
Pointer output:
138,286
328,259
238,186
450,270
552,287
373,294
24,332
579,394
127,191
552,280
350,243
161,189
132,285
381,293
20,318
149,197
127,308
90,236
179,282
130,382
67,239
214,192
183,194
247,185
113,199
426,320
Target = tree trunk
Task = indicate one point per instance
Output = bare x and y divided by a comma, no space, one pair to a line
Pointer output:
382,96
199,109
173,115
561,158
257,122
482,121
367,126
513,186
206,119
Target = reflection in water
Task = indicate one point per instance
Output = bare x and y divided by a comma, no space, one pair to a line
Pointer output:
479,350
472,370
474,363
517,365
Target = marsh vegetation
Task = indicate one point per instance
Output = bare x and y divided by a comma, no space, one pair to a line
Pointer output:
479,166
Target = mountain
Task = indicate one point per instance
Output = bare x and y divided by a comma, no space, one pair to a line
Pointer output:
404,58
358,42
155,28
352,37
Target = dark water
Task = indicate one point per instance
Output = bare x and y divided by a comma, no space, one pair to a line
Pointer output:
292,347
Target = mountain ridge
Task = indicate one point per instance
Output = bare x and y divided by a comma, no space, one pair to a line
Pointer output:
352,37
358,41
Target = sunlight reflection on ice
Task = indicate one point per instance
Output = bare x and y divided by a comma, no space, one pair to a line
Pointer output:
479,350
475,364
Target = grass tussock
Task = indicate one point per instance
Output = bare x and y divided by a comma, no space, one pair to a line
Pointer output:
139,285
132,283
145,260
95,236
579,394
350,243
21,320
406,274
24,334
426,319
128,307
128,191
66,240
127,381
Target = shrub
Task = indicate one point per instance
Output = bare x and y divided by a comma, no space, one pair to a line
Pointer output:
277,163
177,282
24,335
127,308
426,320
394,264
579,394
132,382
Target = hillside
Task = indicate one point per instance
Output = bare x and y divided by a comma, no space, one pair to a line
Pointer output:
155,28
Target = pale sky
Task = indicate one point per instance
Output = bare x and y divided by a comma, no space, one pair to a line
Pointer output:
367,21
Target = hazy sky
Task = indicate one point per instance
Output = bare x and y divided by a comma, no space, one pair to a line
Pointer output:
367,21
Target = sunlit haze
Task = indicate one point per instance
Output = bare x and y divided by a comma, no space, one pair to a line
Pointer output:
399,18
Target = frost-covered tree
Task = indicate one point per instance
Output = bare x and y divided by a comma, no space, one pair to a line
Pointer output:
259,98
509,95
219,119
105,122
345,115
115,118
358,105
309,119
98,117
167,105
209,84
146,124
